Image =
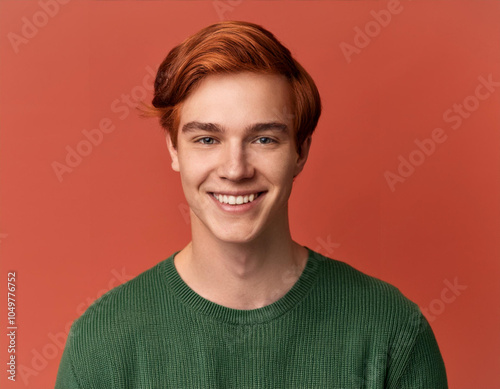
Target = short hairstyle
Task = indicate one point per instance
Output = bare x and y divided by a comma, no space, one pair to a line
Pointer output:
230,47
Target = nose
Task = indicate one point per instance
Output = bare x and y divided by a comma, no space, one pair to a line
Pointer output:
234,164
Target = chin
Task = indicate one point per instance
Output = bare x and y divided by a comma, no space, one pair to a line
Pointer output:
235,235
235,238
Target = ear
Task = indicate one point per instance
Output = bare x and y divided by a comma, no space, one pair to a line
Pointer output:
173,153
302,158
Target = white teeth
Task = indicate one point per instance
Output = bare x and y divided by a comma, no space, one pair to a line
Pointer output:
235,200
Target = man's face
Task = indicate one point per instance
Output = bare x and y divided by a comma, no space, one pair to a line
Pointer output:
236,155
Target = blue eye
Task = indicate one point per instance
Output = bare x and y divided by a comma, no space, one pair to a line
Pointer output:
265,140
206,140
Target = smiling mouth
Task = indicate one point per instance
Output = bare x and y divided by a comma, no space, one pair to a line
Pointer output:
236,200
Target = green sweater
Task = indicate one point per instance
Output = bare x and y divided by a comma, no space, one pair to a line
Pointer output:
335,328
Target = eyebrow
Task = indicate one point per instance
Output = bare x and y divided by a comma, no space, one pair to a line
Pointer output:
213,127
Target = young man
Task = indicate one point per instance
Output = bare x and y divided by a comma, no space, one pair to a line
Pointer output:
243,305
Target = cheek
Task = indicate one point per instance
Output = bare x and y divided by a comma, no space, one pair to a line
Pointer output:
190,176
279,170
194,172
193,160
286,164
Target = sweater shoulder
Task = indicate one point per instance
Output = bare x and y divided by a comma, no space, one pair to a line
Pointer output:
364,292
129,303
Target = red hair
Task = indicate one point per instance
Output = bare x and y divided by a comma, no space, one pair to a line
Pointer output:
227,47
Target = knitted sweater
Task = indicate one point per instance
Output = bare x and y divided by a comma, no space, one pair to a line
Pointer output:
335,328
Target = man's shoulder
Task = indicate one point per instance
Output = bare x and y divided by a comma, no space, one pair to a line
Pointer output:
130,303
362,292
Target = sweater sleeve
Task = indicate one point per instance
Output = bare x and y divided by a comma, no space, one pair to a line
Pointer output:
425,366
66,378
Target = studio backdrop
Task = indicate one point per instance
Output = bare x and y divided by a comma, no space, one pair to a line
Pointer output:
402,180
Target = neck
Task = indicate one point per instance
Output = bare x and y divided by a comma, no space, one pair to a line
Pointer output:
245,275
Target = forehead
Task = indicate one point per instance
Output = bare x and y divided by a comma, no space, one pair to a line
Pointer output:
237,98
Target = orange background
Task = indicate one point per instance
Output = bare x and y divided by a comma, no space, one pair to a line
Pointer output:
121,209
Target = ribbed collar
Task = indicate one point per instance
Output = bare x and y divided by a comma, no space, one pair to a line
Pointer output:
240,316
